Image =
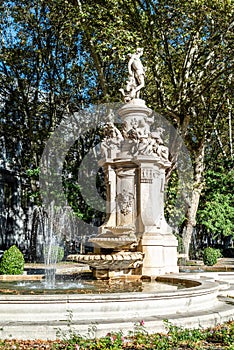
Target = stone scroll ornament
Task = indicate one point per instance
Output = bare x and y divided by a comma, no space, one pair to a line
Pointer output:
136,76
125,201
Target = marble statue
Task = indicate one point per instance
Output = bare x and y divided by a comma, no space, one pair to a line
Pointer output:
136,78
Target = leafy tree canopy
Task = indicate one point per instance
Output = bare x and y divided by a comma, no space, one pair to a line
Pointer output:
59,56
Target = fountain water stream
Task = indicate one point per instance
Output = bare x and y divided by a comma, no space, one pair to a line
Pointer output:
48,224
51,254
51,228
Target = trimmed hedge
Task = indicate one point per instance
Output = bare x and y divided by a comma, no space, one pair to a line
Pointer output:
210,256
12,262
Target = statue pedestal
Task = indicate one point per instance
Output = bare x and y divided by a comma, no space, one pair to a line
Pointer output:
160,254
135,194
157,242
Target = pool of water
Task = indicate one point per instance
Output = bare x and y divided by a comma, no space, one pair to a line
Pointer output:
82,286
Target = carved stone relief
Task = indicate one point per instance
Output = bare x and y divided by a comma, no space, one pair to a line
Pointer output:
143,142
112,140
135,138
125,202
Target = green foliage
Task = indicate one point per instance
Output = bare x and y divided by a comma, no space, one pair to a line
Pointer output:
139,338
83,199
60,254
12,262
68,54
178,334
216,209
222,334
210,256
33,172
219,337
174,203
180,248
217,215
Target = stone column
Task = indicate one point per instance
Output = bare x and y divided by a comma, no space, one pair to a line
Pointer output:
156,239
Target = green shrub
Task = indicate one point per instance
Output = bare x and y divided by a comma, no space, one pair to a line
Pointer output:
210,256
12,262
218,253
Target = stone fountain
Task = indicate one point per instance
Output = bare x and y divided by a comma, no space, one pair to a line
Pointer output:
135,239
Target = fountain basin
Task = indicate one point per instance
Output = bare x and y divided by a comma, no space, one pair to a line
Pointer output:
40,316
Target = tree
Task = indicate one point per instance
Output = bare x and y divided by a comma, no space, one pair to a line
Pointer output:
215,213
216,209
43,76
189,59
56,63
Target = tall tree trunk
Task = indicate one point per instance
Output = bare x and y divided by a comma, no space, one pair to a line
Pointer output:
196,192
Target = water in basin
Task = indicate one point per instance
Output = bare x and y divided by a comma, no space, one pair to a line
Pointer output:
85,286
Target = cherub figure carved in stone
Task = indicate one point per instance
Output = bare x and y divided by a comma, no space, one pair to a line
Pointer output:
136,78
111,143
129,93
158,147
139,136
142,137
